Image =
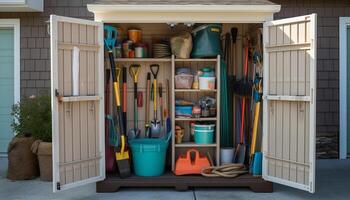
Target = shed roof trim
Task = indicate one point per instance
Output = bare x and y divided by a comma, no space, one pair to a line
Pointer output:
184,2
100,8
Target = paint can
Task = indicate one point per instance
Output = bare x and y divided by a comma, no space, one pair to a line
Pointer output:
139,52
134,35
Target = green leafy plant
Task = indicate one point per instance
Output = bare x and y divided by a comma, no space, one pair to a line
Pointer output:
33,115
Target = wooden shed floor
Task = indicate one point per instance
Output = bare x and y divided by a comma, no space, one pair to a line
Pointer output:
113,183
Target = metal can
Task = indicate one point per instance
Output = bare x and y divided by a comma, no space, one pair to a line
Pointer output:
139,52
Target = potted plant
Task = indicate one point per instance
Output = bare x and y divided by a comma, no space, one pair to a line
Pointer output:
33,115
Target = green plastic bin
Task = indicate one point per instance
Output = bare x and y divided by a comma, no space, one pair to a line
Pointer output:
206,41
148,155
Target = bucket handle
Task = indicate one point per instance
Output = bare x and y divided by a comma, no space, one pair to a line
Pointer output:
156,148
188,155
167,139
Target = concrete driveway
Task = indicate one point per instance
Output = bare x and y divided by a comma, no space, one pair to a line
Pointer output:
333,182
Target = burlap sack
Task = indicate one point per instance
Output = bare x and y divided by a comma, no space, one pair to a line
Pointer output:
44,152
22,163
181,45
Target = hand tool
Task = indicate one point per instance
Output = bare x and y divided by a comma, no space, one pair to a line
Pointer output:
148,87
155,124
134,71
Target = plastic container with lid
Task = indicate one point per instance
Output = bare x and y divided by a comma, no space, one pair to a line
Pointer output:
183,81
207,83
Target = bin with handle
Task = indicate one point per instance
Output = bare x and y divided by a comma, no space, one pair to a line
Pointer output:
149,155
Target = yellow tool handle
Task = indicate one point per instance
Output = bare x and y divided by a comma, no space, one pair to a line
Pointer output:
155,95
116,85
255,128
117,93
123,144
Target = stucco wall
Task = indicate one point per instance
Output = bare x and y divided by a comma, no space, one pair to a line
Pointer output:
35,53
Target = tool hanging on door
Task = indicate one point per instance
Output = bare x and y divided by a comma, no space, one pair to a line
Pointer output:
155,124
241,148
148,88
134,71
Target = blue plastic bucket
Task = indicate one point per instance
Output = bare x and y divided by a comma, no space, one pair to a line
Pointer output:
148,155
204,136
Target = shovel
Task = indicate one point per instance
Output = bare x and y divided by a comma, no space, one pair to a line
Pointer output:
134,71
155,124
241,148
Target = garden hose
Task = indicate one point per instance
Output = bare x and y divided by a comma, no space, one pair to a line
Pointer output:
228,171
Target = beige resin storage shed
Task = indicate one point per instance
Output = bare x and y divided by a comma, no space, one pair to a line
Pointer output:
289,95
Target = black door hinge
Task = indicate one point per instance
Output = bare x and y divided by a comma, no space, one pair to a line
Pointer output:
57,94
58,185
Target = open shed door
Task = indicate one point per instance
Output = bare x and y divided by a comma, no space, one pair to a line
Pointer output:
290,102
77,106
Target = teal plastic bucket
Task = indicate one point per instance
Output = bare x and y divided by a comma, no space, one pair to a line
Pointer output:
204,136
199,127
148,155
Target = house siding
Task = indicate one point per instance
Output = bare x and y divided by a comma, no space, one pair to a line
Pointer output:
35,55
35,42
327,116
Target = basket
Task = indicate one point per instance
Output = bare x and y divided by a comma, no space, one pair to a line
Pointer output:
181,45
148,155
183,81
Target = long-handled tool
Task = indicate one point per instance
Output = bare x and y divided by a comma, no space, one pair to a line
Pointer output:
134,71
155,124
256,157
234,32
124,73
148,88
167,110
160,90
122,156
111,140
257,99
242,147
